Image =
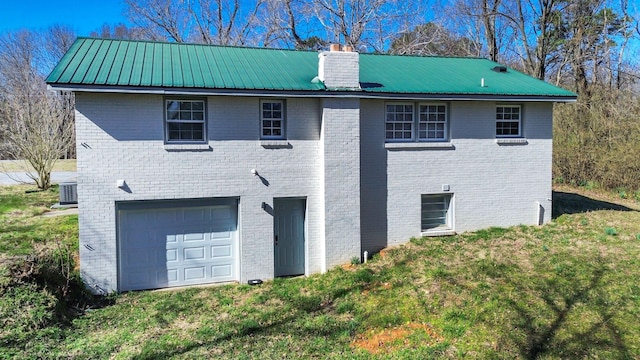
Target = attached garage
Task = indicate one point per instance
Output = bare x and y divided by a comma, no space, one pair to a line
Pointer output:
177,242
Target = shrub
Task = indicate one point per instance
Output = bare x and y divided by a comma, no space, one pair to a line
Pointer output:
39,291
23,308
597,140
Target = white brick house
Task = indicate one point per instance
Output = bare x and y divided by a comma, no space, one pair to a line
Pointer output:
201,164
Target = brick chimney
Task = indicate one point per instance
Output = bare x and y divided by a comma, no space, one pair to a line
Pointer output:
339,68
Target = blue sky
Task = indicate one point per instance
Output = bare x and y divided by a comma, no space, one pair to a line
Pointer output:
83,16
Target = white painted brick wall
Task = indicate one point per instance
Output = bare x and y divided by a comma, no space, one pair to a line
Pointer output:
357,191
493,185
341,155
121,137
339,69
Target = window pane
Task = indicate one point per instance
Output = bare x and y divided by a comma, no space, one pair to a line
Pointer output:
508,121
173,115
272,116
431,115
185,120
435,209
173,105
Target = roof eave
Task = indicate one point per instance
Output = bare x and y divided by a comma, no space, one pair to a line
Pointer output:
319,93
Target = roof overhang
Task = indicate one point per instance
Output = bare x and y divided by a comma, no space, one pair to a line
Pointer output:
362,94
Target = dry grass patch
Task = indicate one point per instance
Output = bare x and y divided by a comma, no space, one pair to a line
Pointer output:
20,165
377,341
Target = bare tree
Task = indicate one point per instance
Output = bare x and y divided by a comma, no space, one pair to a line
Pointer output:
37,124
224,22
433,39
160,19
370,23
291,23
119,31
57,40
483,16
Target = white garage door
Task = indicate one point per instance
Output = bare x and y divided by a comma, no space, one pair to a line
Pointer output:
176,243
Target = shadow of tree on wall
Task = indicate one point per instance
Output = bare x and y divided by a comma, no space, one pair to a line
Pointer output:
571,203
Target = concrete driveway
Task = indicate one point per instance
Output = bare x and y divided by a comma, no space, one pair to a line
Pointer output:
57,177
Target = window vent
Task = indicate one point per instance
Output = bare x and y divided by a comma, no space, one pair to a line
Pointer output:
68,193
500,69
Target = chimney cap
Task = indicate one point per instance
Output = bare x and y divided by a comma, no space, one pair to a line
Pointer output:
334,47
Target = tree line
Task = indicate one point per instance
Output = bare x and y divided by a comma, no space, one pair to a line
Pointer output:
587,46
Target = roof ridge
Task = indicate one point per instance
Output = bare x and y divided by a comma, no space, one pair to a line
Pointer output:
429,56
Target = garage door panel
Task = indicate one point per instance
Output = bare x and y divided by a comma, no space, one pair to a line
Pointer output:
163,247
194,253
221,251
195,273
172,255
221,271
172,276
195,237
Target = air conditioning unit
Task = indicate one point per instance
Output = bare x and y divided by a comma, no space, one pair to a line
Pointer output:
68,193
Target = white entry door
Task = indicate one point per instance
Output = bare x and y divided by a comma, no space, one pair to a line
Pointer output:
289,236
176,243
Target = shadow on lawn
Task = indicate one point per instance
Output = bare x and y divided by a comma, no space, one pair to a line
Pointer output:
257,324
571,203
564,317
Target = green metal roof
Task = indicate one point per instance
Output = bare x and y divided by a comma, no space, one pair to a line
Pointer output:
100,63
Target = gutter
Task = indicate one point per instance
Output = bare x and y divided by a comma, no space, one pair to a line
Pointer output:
362,94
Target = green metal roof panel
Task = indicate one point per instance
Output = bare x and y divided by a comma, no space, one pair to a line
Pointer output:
105,62
441,75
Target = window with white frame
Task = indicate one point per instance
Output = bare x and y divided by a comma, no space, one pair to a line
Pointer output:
402,123
185,120
399,121
508,121
436,212
272,119
433,122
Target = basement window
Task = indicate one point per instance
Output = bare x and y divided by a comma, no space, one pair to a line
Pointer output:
437,213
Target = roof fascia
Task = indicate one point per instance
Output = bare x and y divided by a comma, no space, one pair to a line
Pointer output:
310,93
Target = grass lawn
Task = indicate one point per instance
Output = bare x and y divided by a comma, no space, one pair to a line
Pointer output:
19,166
564,290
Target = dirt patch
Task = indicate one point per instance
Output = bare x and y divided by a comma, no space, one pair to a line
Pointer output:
384,341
